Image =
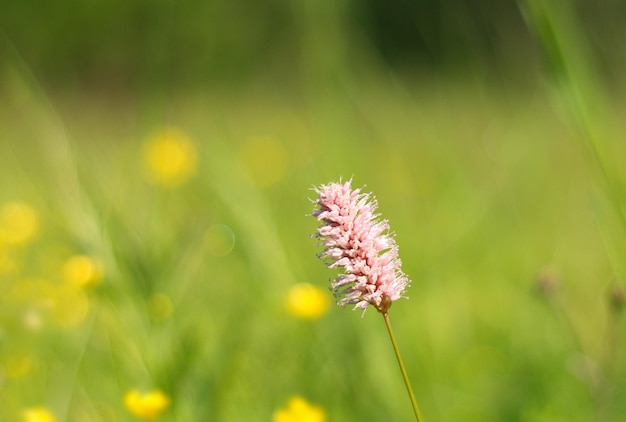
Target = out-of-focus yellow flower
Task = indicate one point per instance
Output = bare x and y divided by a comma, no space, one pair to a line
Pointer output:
18,223
146,405
82,271
299,410
170,158
160,307
307,301
18,365
35,293
66,304
70,305
32,319
38,414
265,160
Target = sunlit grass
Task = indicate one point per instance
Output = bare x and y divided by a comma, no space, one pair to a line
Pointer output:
208,289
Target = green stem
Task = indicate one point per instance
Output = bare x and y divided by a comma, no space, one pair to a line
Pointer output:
416,409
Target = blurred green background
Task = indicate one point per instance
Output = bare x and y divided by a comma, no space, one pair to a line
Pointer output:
156,166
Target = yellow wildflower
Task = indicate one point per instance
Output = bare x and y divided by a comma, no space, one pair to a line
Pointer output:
18,223
70,305
299,410
38,414
307,301
170,158
18,365
265,161
82,271
146,405
36,297
160,307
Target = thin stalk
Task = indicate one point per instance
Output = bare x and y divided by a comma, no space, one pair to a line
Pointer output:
416,409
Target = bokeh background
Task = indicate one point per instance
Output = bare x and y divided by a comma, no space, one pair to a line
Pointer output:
156,166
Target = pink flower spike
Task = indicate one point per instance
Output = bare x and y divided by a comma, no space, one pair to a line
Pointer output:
357,241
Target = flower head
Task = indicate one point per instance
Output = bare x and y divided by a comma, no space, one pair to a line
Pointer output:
38,414
18,223
170,158
299,410
82,271
307,301
356,240
146,405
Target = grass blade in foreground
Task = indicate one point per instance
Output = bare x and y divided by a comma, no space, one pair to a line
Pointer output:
360,243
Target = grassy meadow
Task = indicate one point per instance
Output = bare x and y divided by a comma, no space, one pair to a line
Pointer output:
154,250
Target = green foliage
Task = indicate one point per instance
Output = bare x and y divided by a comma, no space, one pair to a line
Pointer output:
165,43
482,191
507,223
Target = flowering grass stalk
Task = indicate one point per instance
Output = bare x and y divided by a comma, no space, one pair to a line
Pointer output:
358,241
